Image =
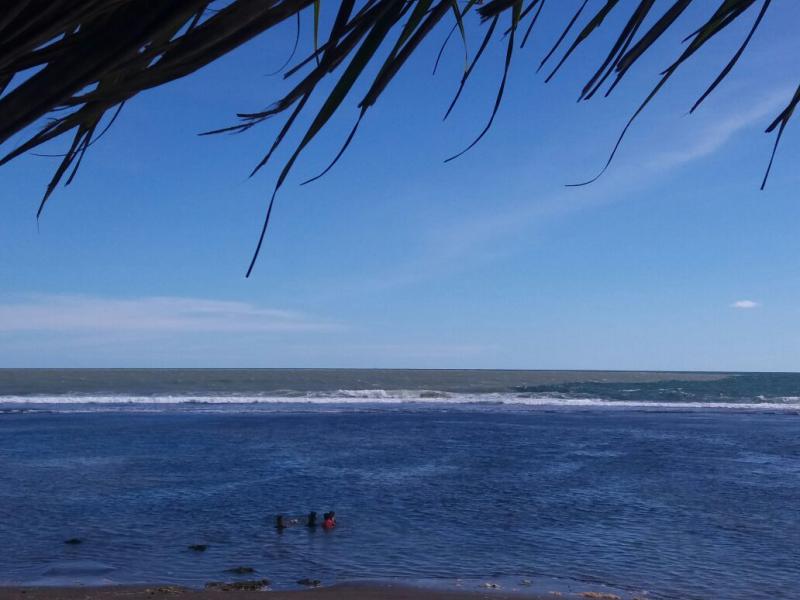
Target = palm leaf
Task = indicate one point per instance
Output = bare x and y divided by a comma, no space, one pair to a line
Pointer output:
67,65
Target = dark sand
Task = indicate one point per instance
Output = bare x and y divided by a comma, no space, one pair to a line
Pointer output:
336,592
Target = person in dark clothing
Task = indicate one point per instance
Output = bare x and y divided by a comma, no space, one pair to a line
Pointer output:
280,523
312,519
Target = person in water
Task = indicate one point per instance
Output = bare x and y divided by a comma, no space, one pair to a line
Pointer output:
330,520
280,523
312,519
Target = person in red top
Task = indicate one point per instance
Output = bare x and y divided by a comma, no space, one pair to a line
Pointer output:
329,521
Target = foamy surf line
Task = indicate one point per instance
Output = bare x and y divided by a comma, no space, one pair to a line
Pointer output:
378,398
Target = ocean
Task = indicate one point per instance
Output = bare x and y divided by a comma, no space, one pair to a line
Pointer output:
659,485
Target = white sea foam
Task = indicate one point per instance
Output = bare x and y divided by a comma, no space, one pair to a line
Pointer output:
378,397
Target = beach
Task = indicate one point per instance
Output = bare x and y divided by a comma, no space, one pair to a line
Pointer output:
564,366
644,487
338,592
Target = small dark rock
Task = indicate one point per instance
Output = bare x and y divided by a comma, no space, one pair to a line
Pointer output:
165,589
73,541
309,582
240,570
245,586
199,547
599,596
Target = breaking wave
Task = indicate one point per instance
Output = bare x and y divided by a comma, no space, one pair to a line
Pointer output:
377,397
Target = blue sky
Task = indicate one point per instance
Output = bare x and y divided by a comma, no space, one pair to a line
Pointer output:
672,260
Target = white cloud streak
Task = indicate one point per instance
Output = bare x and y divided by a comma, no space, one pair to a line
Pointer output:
745,304
472,235
715,135
155,314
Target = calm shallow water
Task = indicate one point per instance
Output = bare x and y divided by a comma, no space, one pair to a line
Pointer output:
685,503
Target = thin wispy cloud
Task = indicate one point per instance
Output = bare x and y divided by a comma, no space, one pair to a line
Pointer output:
714,136
471,236
161,314
745,304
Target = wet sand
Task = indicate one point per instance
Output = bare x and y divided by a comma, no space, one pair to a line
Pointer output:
336,592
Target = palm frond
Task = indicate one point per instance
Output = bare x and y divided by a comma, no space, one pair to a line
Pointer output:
70,64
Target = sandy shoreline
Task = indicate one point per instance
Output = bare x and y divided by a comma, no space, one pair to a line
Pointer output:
335,592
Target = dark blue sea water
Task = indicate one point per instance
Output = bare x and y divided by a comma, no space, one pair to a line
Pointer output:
682,486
